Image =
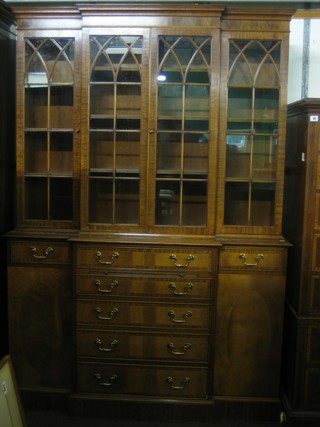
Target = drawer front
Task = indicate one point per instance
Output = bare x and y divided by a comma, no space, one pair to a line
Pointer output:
141,380
40,252
127,345
113,257
179,260
252,259
117,285
108,257
115,313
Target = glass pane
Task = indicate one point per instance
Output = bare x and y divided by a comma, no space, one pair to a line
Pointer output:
61,199
167,203
49,60
61,108
127,201
238,156
36,153
197,102
61,153
102,100
101,201
264,157
170,102
254,62
36,198
194,209
263,202
128,152
36,107
239,109
266,110
195,158
236,203
169,154
101,152
129,101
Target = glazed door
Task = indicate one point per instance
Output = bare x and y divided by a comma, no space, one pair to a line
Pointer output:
49,126
252,141
182,131
114,145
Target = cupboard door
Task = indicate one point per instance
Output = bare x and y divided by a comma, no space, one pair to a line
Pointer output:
249,334
40,334
49,129
253,139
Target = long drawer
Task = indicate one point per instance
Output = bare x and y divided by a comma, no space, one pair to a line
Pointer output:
181,288
115,313
143,380
133,345
111,256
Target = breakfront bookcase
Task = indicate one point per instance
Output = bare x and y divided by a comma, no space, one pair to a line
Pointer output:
147,268
301,357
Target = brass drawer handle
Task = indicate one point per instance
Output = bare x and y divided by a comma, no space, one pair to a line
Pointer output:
184,349
104,383
114,256
112,313
186,316
47,251
258,258
184,383
187,288
113,285
173,258
112,345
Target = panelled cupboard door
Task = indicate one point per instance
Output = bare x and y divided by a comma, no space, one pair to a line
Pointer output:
149,116
48,128
249,334
40,318
253,97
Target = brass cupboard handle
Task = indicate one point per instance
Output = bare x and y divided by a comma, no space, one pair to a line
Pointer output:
114,256
184,349
186,316
47,251
173,258
112,345
112,285
187,288
258,258
105,383
112,313
183,383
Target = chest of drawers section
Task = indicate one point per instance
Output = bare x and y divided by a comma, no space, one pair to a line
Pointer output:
144,319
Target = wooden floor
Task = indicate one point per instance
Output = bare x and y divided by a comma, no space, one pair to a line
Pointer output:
60,419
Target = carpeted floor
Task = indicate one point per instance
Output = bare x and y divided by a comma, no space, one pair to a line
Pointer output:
60,419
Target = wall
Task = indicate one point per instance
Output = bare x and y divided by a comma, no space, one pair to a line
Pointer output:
304,59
